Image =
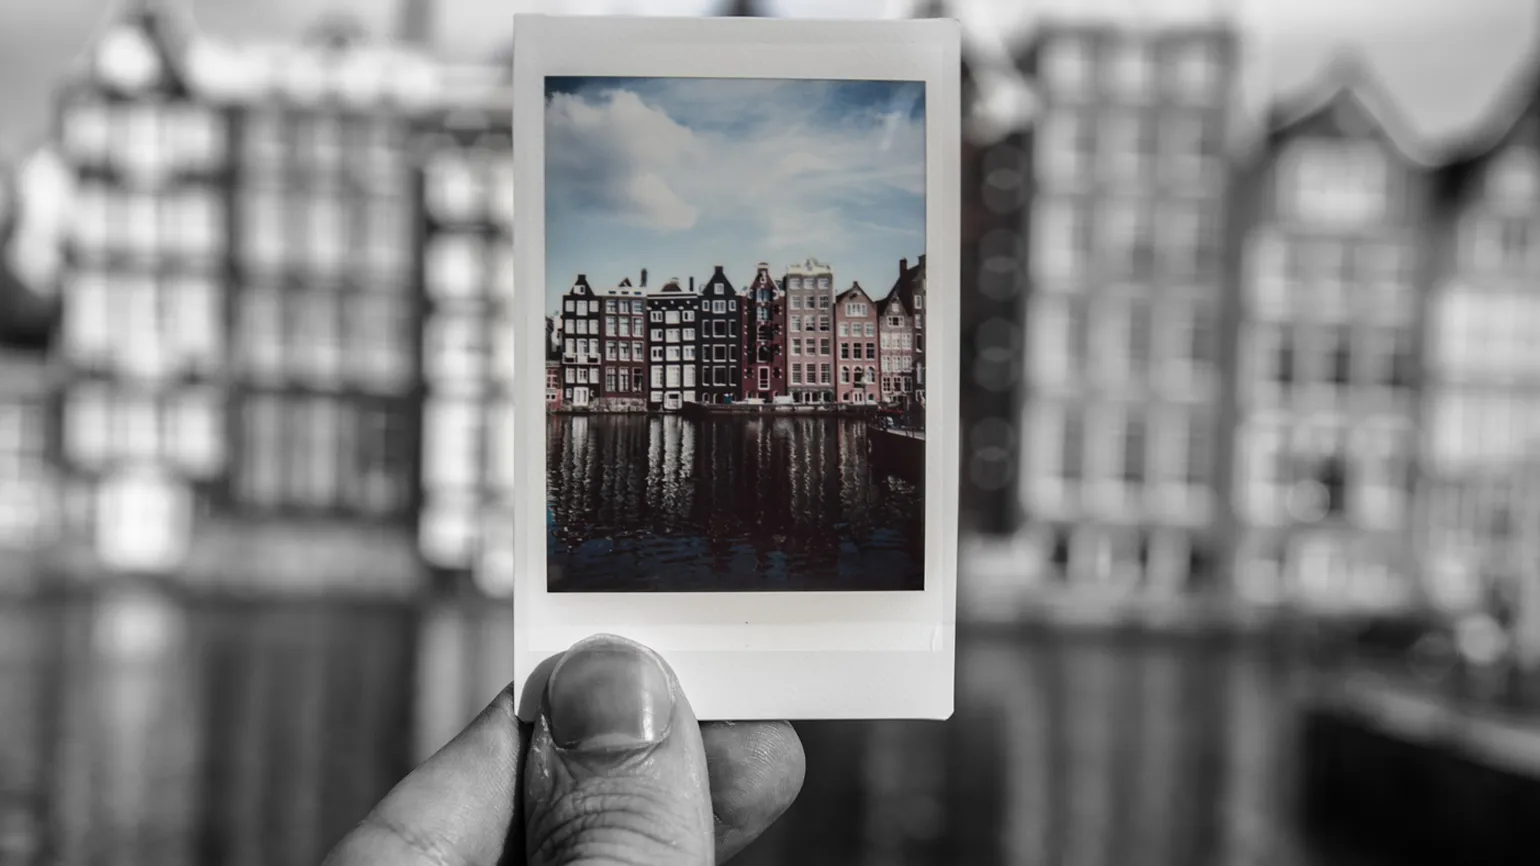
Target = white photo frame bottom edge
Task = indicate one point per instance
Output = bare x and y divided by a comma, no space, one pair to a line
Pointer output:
787,684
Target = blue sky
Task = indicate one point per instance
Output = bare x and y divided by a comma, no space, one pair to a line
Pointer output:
677,175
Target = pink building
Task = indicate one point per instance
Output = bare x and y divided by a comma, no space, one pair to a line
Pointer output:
855,317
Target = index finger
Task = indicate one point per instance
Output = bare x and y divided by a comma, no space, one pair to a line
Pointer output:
460,808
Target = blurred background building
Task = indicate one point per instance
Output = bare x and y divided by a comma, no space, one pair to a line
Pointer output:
1249,460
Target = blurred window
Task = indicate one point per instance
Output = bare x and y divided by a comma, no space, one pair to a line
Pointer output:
264,434
1134,448
262,334
452,433
390,240
315,321
266,140
453,190
1513,181
456,267
196,327
196,437
1064,148
1268,275
88,130
447,532
328,233
193,224
1065,64
143,149
1337,183
88,328
1198,458
1195,71
1122,146
456,347
384,460
313,467
198,137
265,228
88,424
1072,450
1133,66
137,429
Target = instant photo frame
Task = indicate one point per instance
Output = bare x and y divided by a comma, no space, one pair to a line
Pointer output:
746,655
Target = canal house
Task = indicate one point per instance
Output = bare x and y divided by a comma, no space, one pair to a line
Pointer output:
325,311
144,133
855,322
464,182
810,331
895,324
719,340
582,314
1121,399
625,347
764,341
671,345
1333,220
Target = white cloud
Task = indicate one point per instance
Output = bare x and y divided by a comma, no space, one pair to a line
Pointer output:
755,150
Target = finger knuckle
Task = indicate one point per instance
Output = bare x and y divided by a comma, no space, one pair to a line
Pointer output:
600,822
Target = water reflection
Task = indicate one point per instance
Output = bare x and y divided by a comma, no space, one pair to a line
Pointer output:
674,504
148,729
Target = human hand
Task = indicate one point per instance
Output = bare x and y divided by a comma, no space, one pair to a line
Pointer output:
615,770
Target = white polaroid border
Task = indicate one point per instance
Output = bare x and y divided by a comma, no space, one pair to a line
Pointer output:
750,655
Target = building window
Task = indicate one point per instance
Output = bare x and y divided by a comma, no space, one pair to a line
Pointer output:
457,350
1128,238
1061,239
384,460
316,323
380,340
88,325
89,437
1195,71
196,323
453,193
1134,447
1124,148
1140,335
265,229
199,137
194,221
1337,183
264,431
1064,148
1132,68
455,266
1066,64
87,131
1072,446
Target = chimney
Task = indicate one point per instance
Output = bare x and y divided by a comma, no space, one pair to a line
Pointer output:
582,278
692,284
903,266
644,278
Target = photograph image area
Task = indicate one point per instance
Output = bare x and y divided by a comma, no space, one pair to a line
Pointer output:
735,321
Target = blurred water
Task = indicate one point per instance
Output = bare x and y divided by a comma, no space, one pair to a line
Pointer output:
138,727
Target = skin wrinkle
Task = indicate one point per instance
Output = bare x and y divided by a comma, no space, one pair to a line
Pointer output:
632,814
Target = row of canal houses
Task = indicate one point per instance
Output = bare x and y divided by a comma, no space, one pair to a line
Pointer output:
1270,363
272,365
1275,362
791,339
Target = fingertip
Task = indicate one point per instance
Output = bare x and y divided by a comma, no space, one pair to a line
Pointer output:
756,770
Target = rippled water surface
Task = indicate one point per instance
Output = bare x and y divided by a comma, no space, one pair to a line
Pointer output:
664,503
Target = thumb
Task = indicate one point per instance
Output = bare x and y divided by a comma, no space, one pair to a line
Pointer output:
616,772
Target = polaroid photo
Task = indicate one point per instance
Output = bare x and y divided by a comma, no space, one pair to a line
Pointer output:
736,254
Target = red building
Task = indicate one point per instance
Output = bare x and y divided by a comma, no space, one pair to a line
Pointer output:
553,385
764,339
624,344
855,317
